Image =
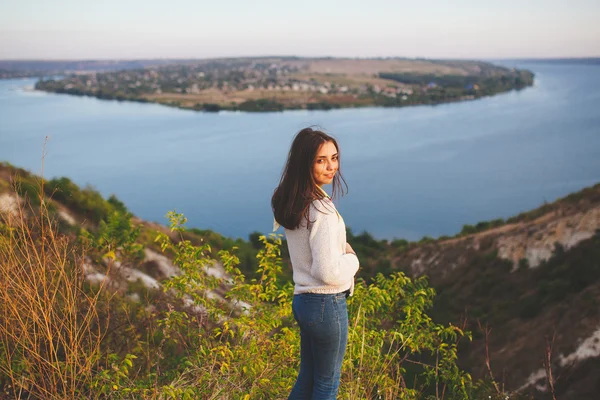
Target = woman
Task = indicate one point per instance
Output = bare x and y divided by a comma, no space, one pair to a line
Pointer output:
323,263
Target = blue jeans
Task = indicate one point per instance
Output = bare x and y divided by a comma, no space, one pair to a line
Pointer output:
323,320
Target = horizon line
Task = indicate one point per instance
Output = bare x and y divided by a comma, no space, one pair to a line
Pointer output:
302,57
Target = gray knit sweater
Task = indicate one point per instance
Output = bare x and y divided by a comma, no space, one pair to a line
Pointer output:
319,260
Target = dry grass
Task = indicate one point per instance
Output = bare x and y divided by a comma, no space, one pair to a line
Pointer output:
370,66
50,331
288,98
352,81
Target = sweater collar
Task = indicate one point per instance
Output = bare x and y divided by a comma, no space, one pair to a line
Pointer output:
323,192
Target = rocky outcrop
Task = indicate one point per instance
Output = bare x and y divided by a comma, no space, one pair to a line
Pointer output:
9,203
536,241
523,243
532,280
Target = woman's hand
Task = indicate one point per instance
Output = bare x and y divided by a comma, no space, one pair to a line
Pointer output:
349,249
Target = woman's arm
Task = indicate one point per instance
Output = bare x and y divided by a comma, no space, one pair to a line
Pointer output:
329,264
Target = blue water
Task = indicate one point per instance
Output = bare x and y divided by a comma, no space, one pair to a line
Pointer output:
424,170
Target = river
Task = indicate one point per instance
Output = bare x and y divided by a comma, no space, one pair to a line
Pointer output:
414,171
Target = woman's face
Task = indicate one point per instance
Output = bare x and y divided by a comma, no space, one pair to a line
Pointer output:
326,164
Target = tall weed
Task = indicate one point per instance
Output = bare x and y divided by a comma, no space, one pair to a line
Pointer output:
50,332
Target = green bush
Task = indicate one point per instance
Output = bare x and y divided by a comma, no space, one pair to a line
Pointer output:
261,105
323,105
211,107
252,351
468,230
87,202
523,264
29,189
426,239
529,306
400,244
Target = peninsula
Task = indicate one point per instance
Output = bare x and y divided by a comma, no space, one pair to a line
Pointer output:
289,83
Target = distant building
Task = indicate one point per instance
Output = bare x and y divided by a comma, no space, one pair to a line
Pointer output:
389,91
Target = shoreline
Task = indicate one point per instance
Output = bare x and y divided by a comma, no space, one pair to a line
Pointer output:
304,107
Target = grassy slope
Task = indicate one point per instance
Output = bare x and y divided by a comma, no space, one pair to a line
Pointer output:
88,207
523,306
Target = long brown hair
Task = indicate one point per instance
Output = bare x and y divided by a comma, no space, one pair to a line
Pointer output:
297,188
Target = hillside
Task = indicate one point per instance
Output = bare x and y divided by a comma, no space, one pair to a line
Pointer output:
97,304
533,277
532,280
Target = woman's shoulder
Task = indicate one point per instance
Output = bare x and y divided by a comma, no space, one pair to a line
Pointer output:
322,206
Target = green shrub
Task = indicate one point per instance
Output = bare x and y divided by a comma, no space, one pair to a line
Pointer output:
86,202
253,351
211,107
523,264
426,239
261,105
468,230
529,306
28,189
400,244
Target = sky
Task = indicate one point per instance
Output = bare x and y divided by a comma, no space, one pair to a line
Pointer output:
134,29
